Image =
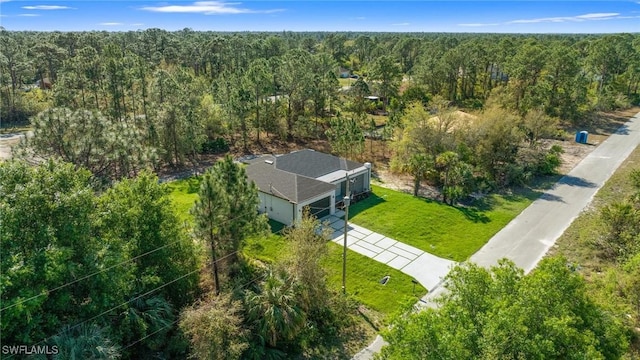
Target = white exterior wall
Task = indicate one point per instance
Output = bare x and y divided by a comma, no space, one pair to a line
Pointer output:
276,208
332,203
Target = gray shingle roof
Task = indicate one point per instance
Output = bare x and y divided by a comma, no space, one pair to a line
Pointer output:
289,186
313,164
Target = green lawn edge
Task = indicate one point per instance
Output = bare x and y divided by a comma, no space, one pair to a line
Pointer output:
450,232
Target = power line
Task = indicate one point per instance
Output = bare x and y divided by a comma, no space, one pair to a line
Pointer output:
254,280
150,292
176,321
153,333
145,294
47,292
131,300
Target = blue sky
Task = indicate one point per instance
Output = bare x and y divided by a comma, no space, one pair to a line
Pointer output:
391,16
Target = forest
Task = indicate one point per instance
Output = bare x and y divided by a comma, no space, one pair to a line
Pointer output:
104,268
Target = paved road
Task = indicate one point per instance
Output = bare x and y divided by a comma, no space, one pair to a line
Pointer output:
528,237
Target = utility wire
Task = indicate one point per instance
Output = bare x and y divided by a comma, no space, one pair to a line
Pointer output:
176,321
49,291
147,293
131,300
149,335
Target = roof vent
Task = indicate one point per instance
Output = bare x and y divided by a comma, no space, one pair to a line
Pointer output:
270,162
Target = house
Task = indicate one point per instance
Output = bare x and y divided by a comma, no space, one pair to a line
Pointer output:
289,183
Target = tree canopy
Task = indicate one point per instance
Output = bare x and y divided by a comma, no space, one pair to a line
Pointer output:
500,313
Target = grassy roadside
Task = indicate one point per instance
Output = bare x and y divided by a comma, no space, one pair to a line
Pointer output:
575,243
452,232
607,280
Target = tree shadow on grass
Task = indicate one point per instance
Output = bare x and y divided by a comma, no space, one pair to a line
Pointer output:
365,204
485,203
474,214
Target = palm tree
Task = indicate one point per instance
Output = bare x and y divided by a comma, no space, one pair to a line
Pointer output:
419,166
274,311
85,342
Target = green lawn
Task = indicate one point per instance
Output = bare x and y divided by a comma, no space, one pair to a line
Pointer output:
452,232
183,194
346,81
363,273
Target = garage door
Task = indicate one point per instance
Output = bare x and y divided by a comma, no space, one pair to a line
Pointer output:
321,208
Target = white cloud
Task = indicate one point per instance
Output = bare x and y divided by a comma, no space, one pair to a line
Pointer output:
136,24
111,24
597,15
208,8
46,7
560,19
28,15
557,19
401,24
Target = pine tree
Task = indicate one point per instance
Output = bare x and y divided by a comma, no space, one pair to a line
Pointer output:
226,212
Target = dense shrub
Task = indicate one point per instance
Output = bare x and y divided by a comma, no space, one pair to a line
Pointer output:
215,146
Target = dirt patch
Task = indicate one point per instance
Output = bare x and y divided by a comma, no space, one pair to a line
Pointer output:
573,153
402,182
6,143
600,126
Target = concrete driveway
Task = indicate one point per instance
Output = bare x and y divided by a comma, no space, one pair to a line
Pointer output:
425,268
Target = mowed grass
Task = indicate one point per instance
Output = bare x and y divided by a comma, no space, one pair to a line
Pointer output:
363,281
452,232
363,274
